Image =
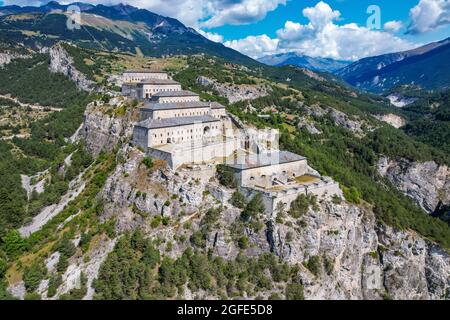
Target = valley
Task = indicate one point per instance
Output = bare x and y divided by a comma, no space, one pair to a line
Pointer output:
88,212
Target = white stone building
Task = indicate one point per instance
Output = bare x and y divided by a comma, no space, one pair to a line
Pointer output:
147,88
280,177
175,97
182,109
136,76
184,132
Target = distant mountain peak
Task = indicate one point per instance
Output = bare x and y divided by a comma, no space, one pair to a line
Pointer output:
303,61
145,31
426,66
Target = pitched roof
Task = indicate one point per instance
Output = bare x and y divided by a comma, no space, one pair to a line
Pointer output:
174,122
145,71
181,93
176,105
158,81
268,159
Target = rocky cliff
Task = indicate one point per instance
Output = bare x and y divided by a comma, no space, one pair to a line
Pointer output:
62,62
427,183
235,93
105,125
355,257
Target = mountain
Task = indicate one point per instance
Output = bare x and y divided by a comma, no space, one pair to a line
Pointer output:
110,28
299,60
426,67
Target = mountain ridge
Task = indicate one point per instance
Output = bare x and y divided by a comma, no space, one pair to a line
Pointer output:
304,61
151,33
423,66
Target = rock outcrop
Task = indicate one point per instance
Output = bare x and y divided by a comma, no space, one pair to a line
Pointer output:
233,92
62,62
7,57
427,183
102,131
356,258
392,119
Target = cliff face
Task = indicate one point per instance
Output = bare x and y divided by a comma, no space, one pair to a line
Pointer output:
102,131
355,257
427,183
62,62
235,93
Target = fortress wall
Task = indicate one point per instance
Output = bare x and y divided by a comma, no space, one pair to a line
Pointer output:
218,113
147,90
162,155
297,168
178,99
272,199
136,77
140,137
325,189
193,154
181,134
182,112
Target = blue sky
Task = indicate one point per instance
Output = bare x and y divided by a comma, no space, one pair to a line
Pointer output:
351,10
328,28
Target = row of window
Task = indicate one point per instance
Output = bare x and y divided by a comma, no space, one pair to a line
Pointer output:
154,90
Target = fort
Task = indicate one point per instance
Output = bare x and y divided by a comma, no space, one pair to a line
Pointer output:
179,128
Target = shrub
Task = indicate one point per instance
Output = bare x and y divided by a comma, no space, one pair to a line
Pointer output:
62,264
53,285
238,200
33,275
313,265
156,221
352,195
299,206
253,208
151,256
32,296
226,176
243,242
148,162
294,291
14,244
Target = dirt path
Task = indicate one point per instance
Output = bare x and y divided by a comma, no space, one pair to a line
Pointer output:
32,106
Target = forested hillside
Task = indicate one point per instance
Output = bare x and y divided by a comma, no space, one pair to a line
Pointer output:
155,233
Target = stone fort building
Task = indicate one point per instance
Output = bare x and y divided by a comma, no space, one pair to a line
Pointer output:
176,126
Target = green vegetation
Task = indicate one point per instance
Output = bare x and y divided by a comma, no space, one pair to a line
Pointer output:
300,206
253,209
148,162
33,275
429,120
238,200
314,265
127,274
226,176
42,86
294,291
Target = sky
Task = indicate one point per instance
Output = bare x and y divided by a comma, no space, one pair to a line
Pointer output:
337,29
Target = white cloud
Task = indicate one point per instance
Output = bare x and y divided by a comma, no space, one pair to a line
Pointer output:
321,37
239,12
428,15
211,35
254,46
393,26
